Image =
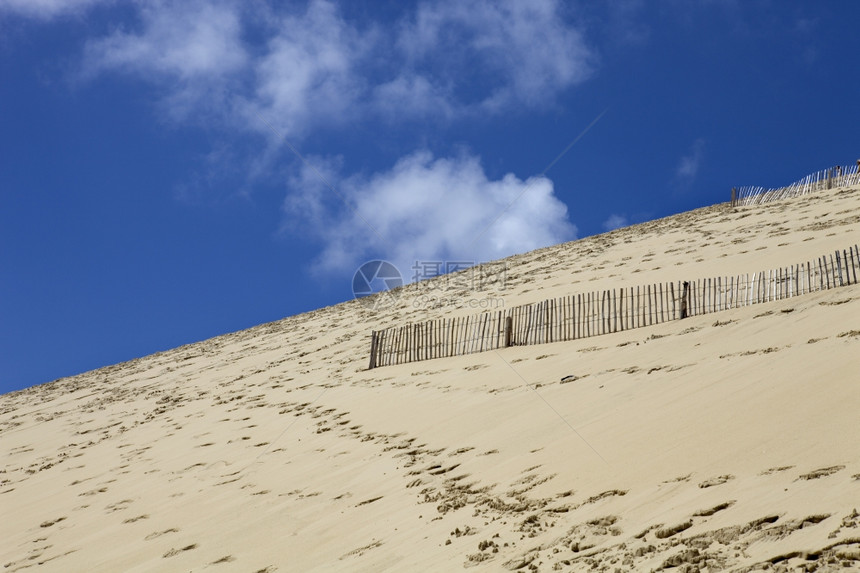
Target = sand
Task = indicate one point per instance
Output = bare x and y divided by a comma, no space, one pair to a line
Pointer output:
721,442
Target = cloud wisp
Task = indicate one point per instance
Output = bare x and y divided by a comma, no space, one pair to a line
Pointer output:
192,51
48,9
522,53
688,166
303,69
615,221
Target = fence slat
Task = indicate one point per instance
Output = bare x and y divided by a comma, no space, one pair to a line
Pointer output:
586,315
839,266
603,329
853,263
565,305
614,311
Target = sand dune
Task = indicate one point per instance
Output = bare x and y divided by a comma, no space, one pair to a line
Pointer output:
718,442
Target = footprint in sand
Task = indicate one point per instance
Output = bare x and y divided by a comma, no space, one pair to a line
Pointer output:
665,532
134,519
172,552
94,491
711,511
719,480
774,470
51,522
160,533
821,472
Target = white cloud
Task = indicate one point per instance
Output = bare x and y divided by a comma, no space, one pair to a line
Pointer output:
627,24
48,9
519,53
689,165
315,199
308,73
426,208
297,69
302,73
191,47
186,40
410,96
615,221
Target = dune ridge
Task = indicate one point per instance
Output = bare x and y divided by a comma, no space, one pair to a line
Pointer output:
713,443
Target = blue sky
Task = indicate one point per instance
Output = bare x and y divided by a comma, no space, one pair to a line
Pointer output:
152,192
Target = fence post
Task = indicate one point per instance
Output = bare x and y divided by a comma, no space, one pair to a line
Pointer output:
734,197
586,312
684,297
749,289
672,296
567,317
614,312
853,263
374,341
548,308
838,266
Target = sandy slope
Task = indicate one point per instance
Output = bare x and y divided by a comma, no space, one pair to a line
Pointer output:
721,442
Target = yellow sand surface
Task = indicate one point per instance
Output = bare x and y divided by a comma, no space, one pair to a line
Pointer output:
728,441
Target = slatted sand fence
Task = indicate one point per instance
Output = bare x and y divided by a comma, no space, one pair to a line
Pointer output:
832,178
439,338
602,312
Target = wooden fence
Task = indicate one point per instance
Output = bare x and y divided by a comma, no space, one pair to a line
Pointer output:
832,178
592,314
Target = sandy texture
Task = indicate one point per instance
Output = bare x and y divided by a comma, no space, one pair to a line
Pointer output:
720,442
